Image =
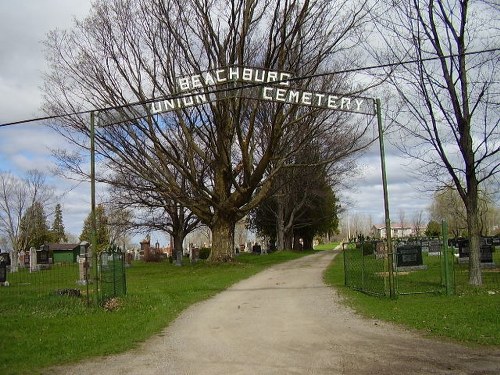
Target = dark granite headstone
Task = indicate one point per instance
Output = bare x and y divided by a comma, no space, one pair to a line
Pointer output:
409,256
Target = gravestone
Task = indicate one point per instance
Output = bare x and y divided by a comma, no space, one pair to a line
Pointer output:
435,247
32,259
129,258
5,257
3,271
485,251
22,259
380,250
409,256
42,257
256,248
194,254
425,246
84,264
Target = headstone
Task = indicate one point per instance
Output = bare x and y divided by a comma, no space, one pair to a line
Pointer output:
256,248
5,257
409,256
425,246
380,250
3,271
486,250
435,247
84,264
42,257
194,254
22,261
33,258
129,257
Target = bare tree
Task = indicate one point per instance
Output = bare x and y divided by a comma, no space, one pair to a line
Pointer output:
151,209
228,150
402,218
16,197
418,223
450,118
447,205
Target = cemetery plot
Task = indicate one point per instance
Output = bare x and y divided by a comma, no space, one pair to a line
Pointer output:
486,251
364,269
425,278
415,271
409,256
27,283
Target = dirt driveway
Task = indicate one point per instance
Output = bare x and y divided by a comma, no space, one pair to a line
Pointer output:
285,320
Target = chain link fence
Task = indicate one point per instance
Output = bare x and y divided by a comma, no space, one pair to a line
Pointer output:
111,271
418,266
366,267
91,277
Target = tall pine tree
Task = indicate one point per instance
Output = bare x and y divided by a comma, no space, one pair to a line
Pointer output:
57,231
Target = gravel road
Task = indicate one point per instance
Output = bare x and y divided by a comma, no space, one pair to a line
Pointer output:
285,320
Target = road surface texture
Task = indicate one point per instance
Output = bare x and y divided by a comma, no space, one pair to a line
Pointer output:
285,320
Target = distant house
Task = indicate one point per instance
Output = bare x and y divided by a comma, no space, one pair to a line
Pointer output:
397,231
64,252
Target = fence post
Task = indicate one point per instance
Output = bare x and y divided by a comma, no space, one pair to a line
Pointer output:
447,281
363,266
345,263
386,200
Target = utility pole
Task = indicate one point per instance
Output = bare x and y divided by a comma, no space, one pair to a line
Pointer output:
390,255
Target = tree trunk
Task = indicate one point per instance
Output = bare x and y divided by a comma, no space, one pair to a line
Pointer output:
222,241
178,239
475,277
280,227
288,240
297,246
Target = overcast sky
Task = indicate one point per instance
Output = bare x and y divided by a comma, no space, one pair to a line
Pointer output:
24,24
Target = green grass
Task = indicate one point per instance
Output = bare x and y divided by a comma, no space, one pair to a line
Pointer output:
326,246
472,317
39,331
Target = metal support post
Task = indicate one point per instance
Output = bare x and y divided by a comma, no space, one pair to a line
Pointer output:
447,280
93,239
386,201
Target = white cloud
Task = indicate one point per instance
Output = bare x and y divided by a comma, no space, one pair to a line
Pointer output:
25,24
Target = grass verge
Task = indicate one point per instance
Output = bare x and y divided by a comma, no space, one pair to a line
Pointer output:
472,318
38,332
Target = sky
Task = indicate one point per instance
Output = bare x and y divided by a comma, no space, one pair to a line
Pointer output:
24,24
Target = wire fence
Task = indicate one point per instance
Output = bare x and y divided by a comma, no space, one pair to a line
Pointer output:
93,278
112,280
423,266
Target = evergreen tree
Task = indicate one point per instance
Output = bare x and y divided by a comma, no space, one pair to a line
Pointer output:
34,228
57,231
433,229
102,231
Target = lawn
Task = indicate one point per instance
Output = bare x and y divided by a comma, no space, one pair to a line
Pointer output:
471,317
40,331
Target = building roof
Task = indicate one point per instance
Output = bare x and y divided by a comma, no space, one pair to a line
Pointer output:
62,246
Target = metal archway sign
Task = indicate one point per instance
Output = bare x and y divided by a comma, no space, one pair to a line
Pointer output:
266,85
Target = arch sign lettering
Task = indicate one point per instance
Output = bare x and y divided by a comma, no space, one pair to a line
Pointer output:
262,84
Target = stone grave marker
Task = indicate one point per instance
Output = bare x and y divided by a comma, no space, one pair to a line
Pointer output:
33,259
409,256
